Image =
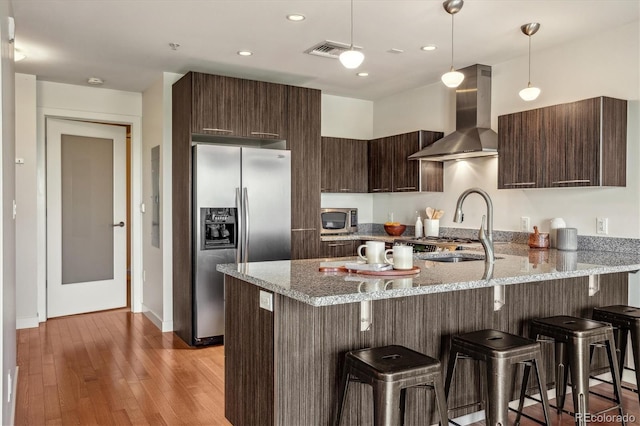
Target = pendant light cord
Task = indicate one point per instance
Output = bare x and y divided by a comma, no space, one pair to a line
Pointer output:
452,41
351,24
529,82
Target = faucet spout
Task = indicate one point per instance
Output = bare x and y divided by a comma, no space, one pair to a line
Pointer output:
485,236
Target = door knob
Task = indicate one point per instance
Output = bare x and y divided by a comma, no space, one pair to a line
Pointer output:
120,224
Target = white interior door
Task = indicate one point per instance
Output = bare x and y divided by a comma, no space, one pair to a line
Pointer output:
86,210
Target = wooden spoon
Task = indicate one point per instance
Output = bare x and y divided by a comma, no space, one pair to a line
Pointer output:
438,214
430,213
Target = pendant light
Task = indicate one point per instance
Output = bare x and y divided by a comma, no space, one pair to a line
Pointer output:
452,78
351,59
530,93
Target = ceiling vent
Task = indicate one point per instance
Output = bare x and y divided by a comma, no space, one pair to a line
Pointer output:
329,49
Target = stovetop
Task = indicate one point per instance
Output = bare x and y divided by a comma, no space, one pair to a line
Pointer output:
431,240
429,244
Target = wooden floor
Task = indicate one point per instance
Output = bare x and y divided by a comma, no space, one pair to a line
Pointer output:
117,368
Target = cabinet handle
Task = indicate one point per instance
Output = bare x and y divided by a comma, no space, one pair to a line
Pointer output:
264,134
303,229
559,182
345,190
380,189
520,184
337,245
406,188
208,129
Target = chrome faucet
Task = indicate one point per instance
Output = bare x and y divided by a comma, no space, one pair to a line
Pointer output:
485,236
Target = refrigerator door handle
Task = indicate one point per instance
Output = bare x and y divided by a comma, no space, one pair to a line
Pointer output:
239,238
246,226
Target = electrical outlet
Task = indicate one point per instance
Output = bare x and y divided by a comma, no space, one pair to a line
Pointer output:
525,224
266,300
602,225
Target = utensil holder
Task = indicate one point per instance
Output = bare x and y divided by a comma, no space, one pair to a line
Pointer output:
432,227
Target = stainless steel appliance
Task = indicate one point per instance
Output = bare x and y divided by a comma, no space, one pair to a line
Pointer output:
242,213
338,221
432,244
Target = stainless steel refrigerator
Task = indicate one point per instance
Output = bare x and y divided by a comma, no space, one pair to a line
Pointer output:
242,213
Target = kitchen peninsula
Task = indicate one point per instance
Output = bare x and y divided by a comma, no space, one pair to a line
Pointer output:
283,362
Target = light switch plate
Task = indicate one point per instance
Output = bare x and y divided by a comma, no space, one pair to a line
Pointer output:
266,300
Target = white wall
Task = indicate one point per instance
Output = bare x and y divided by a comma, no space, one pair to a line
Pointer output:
348,118
96,104
582,69
26,200
156,129
7,223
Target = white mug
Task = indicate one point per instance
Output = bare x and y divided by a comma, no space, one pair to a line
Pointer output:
402,257
375,252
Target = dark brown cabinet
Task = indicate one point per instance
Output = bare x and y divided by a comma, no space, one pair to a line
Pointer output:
575,144
206,104
390,170
340,248
236,107
304,142
344,165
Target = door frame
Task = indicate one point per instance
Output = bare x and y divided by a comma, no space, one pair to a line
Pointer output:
135,198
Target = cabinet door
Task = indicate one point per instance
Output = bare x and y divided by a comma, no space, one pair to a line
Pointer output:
406,173
344,165
264,109
217,105
339,248
304,142
380,165
521,148
432,171
573,143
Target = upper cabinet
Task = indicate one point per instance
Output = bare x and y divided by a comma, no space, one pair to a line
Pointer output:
344,165
237,107
390,170
575,144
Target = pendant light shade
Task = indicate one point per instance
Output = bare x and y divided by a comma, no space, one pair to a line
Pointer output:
452,78
351,59
530,92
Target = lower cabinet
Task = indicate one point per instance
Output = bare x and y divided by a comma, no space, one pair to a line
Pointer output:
339,248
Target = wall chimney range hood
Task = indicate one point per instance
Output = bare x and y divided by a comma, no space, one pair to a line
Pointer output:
473,136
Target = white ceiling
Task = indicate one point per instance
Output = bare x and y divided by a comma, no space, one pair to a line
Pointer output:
126,42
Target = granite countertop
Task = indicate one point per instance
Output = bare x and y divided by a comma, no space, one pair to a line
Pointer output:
516,263
368,237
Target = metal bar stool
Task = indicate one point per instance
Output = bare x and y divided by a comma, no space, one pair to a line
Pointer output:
501,352
390,370
573,338
624,319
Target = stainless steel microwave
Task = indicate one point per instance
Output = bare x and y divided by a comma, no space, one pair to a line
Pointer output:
338,221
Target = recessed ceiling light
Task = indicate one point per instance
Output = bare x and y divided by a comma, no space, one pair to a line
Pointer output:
95,81
394,50
363,74
296,17
19,55
429,47
245,53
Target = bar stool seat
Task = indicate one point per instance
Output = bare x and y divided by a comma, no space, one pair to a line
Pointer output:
390,370
500,351
573,338
624,319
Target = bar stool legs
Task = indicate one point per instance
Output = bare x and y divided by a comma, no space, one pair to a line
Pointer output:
391,370
500,352
625,320
573,339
